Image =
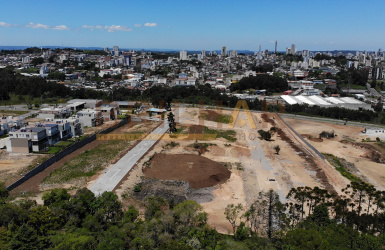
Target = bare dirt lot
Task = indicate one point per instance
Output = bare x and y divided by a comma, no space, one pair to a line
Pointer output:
13,165
197,170
254,164
347,145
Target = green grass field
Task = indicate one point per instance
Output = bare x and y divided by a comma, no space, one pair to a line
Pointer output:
88,163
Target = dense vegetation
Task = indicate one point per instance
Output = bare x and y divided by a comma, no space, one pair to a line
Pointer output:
337,113
313,219
271,84
203,94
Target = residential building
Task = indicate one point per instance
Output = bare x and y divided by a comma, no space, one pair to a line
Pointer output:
29,138
90,117
183,55
54,113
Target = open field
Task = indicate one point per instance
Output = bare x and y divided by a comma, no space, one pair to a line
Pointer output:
253,163
347,145
12,112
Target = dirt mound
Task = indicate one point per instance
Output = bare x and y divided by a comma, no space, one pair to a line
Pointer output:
197,170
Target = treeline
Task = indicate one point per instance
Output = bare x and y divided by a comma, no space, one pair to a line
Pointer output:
13,83
202,94
32,86
312,219
337,113
271,84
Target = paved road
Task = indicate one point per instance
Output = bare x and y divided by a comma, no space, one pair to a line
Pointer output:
334,121
110,179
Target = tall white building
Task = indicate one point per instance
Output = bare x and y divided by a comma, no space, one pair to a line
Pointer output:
116,50
203,53
288,51
293,49
183,55
233,53
224,51
305,53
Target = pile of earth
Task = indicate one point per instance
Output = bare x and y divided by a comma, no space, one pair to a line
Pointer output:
173,191
197,170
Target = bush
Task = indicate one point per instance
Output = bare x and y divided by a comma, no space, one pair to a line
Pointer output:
138,188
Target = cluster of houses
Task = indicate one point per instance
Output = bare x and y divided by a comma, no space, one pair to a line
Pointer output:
60,123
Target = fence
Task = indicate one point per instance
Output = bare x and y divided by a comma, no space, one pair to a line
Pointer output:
299,136
63,153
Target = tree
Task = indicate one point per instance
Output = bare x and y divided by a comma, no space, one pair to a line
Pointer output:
37,60
233,213
131,214
57,197
267,214
189,213
25,238
4,193
277,149
171,122
109,205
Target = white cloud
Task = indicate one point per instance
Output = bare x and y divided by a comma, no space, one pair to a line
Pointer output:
37,26
88,27
150,24
43,26
60,27
138,25
3,24
113,28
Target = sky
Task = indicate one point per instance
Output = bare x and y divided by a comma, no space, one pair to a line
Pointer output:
194,24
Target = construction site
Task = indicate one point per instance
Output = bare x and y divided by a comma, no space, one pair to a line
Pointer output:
217,157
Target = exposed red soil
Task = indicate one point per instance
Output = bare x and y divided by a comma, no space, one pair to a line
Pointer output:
196,129
210,115
197,170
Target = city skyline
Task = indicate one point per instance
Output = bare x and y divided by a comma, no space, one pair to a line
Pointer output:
196,25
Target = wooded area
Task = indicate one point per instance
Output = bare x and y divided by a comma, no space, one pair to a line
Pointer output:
313,219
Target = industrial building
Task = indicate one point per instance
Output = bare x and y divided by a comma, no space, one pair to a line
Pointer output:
342,102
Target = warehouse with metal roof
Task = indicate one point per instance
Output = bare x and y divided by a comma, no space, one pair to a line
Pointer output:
343,102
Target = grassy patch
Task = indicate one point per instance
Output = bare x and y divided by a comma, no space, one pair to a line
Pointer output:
215,117
64,144
172,144
352,86
88,163
335,162
53,150
23,99
227,134
122,116
13,112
